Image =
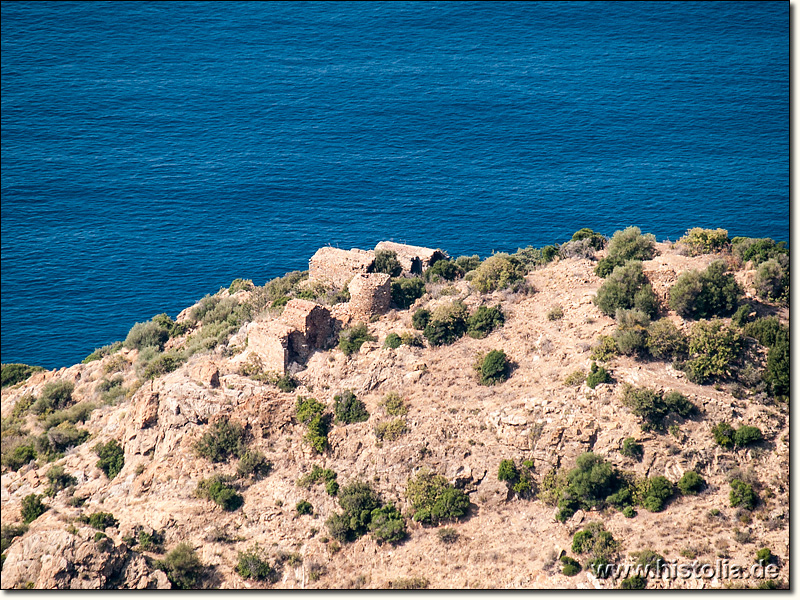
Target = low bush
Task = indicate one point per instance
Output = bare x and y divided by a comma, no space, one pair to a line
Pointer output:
56,395
162,364
102,352
570,567
411,339
182,567
626,245
387,525
59,480
656,493
9,533
743,315
253,464
597,375
410,583
765,330
591,483
691,483
635,582
351,340
713,348
223,440
312,413
743,495
434,500
386,262
153,333
519,480
758,250
13,373
447,324
112,458
484,320
605,349
723,434
630,336
17,456
100,520
772,280
349,409
74,414
111,390
304,507
493,367
253,564
444,270
632,449
653,406
447,535
705,294
665,340
421,318
575,379
357,500
704,241
498,272
406,291
32,508
627,287
392,341
747,435
777,373
531,257
555,313
394,405
597,240
765,556
600,546
219,489
390,431
629,512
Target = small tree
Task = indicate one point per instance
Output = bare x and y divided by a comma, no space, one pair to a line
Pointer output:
32,508
349,409
626,287
691,483
701,295
183,567
493,368
112,458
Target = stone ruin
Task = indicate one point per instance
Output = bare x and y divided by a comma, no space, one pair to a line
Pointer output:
336,266
370,294
413,259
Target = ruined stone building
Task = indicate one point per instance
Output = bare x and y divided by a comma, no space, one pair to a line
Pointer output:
336,267
370,294
413,259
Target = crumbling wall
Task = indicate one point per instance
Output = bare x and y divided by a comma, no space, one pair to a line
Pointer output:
311,323
336,267
370,294
413,259
270,342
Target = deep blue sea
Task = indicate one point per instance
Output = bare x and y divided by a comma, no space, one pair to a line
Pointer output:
153,152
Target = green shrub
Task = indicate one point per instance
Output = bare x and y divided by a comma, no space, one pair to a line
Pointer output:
421,318
316,475
392,341
597,240
700,295
746,435
239,284
218,489
765,330
387,525
665,340
19,455
406,291
484,320
635,582
357,500
742,316
391,430
111,390
626,287
632,449
350,340
112,458
59,480
713,347
493,368
691,483
349,409
223,439
32,508
626,245
253,564
742,494
605,349
447,535
629,512
411,339
253,464
777,375
772,279
498,272
444,269
570,566
765,556
9,533
657,492
575,378
183,567
394,405
100,520
311,412
434,500
56,395
704,241
102,352
162,364
597,375
448,323
150,541
386,262
555,313
151,333
654,406
410,583
507,471
74,414
304,507
630,335
723,434
520,481
13,373
758,250
589,484
598,543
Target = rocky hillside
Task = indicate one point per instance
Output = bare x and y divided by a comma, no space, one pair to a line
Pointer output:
181,417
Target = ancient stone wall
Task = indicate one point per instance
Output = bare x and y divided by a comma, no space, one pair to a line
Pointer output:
270,342
370,294
311,323
336,267
413,259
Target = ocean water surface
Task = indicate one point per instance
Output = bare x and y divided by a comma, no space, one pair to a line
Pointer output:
153,152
